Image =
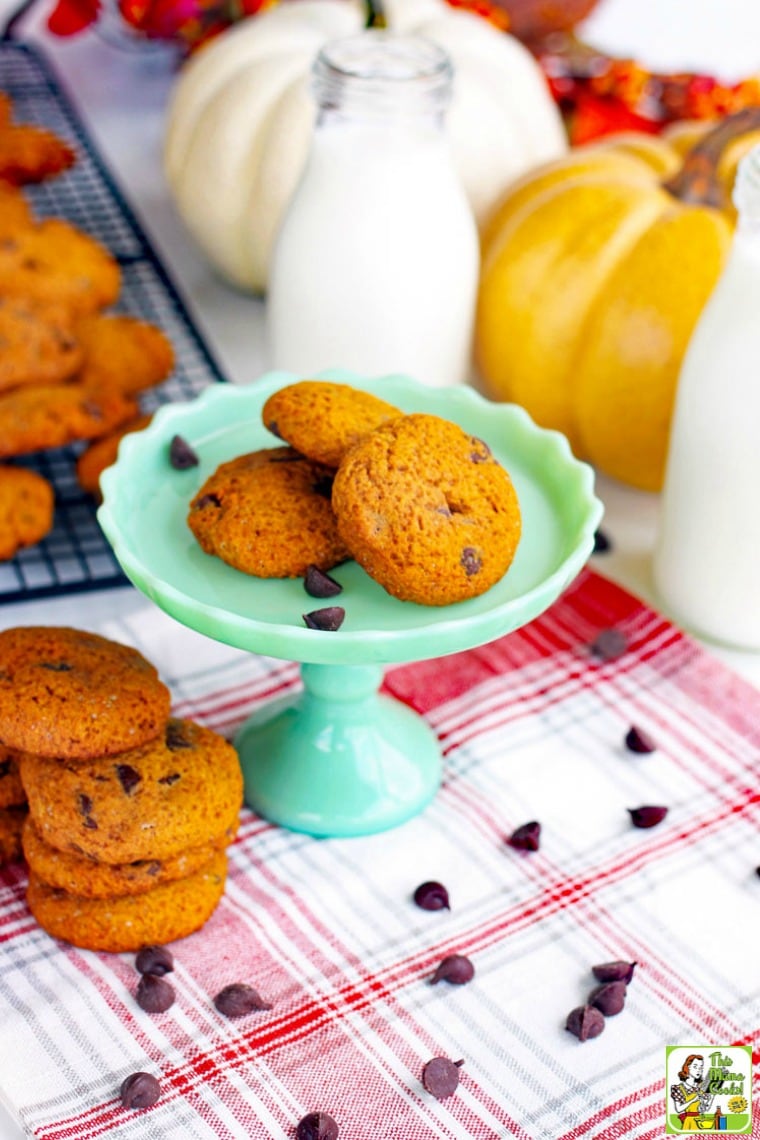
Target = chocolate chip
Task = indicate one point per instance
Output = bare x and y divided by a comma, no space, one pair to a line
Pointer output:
526,837
181,454
609,644
602,542
432,896
455,969
128,777
170,779
440,1077
609,998
154,994
57,666
614,971
85,809
316,1126
323,486
206,501
5,768
239,999
330,618
92,409
647,816
154,960
140,1090
585,1021
471,561
482,452
319,584
636,740
175,737
272,426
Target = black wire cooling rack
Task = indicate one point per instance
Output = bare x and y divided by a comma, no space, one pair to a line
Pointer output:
76,556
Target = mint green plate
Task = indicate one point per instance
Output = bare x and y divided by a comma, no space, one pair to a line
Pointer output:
340,759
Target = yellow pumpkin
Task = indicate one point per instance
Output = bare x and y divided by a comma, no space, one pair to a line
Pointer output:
595,270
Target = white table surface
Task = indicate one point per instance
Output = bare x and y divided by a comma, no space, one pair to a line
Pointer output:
122,103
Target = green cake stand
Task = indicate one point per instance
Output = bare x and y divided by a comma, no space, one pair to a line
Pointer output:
340,758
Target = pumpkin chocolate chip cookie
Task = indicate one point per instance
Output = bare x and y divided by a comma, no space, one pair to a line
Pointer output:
122,353
115,925
31,154
55,262
180,791
322,419
37,345
43,416
71,694
101,453
27,504
92,879
268,513
15,211
427,510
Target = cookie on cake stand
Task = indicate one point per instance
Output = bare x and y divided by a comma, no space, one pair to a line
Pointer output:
340,758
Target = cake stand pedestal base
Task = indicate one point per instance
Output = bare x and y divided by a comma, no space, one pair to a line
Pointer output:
340,759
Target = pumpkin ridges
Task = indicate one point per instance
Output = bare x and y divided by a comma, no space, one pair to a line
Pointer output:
221,157
276,176
495,66
653,150
547,272
206,73
626,375
591,163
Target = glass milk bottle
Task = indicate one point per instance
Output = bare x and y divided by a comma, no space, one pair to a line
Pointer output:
707,556
376,265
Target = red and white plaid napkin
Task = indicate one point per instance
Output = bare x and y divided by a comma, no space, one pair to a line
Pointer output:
532,728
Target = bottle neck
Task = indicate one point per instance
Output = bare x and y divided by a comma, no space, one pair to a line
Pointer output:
381,77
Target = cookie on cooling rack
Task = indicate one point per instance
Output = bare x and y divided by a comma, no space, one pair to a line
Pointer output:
101,453
37,344
29,153
122,353
53,415
56,262
27,504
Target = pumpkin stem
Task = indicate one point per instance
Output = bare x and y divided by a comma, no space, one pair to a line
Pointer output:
375,14
697,182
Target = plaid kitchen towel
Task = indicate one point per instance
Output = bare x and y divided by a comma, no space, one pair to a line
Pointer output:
533,727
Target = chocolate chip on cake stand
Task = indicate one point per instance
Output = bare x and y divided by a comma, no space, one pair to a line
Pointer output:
338,755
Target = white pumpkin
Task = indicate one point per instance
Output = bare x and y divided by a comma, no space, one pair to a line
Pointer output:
241,115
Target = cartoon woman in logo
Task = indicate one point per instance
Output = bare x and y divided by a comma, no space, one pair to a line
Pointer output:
691,1098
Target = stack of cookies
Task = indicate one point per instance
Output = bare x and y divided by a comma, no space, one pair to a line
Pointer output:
129,809
423,506
69,370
